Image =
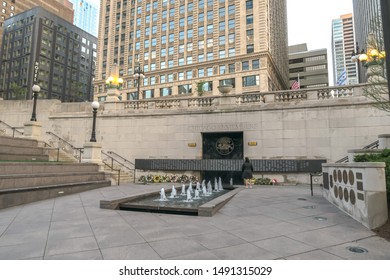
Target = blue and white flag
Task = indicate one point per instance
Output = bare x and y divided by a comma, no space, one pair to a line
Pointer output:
342,78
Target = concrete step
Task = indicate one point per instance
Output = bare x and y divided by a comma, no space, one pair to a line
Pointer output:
21,181
20,149
20,142
32,168
13,197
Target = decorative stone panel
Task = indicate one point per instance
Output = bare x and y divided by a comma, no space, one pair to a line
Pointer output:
358,189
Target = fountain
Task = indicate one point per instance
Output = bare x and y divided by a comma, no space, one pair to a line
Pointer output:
173,192
189,197
162,195
197,195
202,202
220,187
183,189
216,189
190,188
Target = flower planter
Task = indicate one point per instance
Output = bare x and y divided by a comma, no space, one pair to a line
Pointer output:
224,89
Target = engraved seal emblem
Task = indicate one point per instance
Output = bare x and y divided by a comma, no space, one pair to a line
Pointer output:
225,145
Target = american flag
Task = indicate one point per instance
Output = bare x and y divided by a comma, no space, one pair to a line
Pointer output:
295,85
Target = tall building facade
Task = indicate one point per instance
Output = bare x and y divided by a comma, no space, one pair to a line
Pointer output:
41,48
367,19
86,15
309,68
181,43
9,8
343,46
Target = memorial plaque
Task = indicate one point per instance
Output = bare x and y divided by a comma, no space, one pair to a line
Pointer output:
259,165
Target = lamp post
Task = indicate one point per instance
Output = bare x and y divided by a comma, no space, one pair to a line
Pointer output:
138,75
36,89
95,106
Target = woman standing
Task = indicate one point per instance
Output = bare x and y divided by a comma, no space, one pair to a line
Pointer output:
247,169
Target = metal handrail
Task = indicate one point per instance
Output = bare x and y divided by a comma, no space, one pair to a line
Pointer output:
80,150
14,129
373,145
122,158
120,163
118,170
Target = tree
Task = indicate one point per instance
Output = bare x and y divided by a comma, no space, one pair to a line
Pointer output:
199,87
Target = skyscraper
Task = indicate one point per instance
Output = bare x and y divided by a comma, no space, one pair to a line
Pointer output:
343,46
367,19
86,15
41,48
9,8
180,43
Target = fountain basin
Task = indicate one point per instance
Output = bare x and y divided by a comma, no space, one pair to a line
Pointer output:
147,202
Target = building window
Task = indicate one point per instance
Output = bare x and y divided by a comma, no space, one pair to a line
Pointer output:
185,89
181,76
222,26
231,23
170,78
149,93
232,38
255,64
209,56
222,12
231,81
222,69
222,54
209,71
232,68
189,74
249,4
231,9
201,72
249,34
232,52
245,65
250,48
222,40
209,29
162,79
165,91
249,81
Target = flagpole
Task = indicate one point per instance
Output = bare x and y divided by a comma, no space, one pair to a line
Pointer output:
299,82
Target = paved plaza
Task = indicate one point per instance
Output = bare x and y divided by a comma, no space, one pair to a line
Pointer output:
266,222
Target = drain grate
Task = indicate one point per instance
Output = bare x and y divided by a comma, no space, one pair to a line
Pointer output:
358,250
320,218
302,198
309,207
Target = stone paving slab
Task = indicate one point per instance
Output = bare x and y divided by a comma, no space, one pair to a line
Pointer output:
266,222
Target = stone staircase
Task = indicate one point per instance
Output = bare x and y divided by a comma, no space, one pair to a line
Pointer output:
27,175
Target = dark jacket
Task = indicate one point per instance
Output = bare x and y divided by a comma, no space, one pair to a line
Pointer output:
247,169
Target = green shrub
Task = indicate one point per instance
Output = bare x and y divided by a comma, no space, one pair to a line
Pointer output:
384,156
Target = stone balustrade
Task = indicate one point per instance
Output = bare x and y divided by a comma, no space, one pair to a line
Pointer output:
279,97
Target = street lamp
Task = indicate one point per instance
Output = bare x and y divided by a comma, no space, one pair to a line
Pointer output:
36,89
138,75
95,106
114,82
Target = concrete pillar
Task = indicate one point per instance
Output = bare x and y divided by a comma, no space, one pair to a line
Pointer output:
33,130
93,154
384,141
